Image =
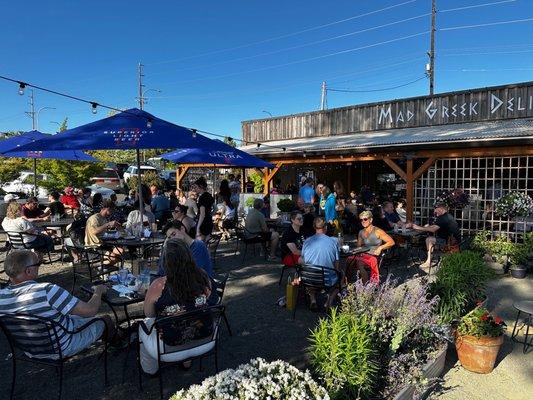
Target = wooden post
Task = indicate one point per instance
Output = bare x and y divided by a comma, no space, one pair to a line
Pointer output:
410,191
268,175
180,174
243,176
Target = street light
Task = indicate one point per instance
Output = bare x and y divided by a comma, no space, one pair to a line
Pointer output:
143,98
37,115
57,123
268,112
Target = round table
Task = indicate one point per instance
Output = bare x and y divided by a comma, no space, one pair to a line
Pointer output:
526,307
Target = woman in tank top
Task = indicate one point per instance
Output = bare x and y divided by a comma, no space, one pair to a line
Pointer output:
376,240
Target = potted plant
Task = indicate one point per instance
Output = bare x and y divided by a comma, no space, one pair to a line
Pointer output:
518,258
285,206
478,340
514,204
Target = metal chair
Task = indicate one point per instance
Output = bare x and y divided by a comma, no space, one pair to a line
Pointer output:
250,238
314,277
21,330
220,287
203,344
212,245
16,242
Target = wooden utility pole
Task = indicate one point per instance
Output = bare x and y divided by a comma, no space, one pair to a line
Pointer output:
323,97
431,72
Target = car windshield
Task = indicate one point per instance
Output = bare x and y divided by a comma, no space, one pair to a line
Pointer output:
109,173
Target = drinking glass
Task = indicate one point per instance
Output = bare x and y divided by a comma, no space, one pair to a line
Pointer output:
123,276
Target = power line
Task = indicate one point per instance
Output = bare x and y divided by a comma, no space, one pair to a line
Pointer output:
298,46
476,6
376,90
514,21
286,35
302,60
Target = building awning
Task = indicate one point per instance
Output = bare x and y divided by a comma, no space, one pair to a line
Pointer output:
490,133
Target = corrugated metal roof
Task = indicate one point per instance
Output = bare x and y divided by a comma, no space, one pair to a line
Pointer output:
466,133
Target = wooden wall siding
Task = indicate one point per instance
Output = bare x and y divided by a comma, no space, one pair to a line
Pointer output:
503,102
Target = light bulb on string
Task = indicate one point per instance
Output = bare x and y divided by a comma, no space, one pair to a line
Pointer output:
193,133
93,108
22,86
149,123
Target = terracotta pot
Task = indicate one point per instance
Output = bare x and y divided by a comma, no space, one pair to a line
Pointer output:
478,354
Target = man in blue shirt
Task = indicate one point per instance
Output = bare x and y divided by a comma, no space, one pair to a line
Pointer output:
307,193
199,250
160,205
391,215
322,250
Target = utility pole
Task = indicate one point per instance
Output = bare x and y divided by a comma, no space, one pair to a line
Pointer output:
31,113
431,70
141,86
323,97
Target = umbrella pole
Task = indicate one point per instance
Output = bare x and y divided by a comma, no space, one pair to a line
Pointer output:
139,185
35,177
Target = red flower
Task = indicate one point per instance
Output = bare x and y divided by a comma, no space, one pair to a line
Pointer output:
485,317
498,320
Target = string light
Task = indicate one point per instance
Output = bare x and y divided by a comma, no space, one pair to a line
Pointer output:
22,86
149,123
194,132
258,145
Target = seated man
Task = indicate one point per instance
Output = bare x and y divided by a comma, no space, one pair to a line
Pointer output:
55,207
160,205
70,200
255,226
32,237
199,250
445,228
25,295
31,211
292,240
391,215
322,250
97,224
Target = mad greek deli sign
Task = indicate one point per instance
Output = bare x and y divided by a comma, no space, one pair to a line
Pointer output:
469,106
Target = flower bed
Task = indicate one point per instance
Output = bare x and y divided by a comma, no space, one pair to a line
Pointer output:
257,379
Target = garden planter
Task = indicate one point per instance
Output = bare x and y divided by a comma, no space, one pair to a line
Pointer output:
432,369
478,354
518,271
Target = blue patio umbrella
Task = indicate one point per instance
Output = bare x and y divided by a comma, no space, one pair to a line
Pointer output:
131,129
223,155
10,148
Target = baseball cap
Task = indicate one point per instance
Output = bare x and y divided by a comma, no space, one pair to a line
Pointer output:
10,197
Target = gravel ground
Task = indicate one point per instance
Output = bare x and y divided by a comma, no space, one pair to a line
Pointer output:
260,329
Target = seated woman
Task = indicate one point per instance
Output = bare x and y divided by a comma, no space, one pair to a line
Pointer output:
33,238
134,224
184,288
180,214
374,238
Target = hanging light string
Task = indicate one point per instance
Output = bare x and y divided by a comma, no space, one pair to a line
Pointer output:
94,105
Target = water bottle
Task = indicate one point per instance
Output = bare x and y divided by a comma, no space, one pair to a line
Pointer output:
145,280
341,240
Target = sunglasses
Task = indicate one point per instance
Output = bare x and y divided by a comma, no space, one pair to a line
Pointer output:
363,219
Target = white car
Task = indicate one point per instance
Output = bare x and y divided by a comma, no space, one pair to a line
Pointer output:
23,185
132,171
105,192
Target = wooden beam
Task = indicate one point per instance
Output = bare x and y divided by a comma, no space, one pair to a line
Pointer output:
502,151
409,190
424,167
180,174
322,160
267,178
395,167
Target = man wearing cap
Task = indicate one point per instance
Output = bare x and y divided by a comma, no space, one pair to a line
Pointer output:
8,198
444,229
69,199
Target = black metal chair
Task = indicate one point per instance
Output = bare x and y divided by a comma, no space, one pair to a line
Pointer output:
250,239
20,331
220,287
205,343
16,242
314,277
212,245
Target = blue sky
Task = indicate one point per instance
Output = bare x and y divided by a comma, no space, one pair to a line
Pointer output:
218,63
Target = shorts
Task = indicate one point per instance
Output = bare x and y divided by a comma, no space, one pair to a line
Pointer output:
82,340
290,260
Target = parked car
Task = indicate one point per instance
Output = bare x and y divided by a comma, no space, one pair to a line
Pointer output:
132,171
105,192
108,178
23,185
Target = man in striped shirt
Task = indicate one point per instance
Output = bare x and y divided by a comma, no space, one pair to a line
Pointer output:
24,295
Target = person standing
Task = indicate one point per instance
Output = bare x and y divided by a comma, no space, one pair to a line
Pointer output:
330,211
160,206
307,193
204,226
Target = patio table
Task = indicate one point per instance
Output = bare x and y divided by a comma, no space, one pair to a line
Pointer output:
136,245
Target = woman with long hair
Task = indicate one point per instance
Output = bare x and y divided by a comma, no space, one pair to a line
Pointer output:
184,288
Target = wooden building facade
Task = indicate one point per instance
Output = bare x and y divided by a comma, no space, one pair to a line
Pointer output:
480,140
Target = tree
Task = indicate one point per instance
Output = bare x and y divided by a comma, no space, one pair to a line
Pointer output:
11,167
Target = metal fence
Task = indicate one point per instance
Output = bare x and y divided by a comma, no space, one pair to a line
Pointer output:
485,180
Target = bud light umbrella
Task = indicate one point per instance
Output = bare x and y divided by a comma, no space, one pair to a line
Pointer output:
225,155
131,129
13,144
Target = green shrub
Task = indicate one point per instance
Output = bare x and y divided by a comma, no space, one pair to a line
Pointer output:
460,283
344,356
257,179
286,205
482,242
149,178
250,201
